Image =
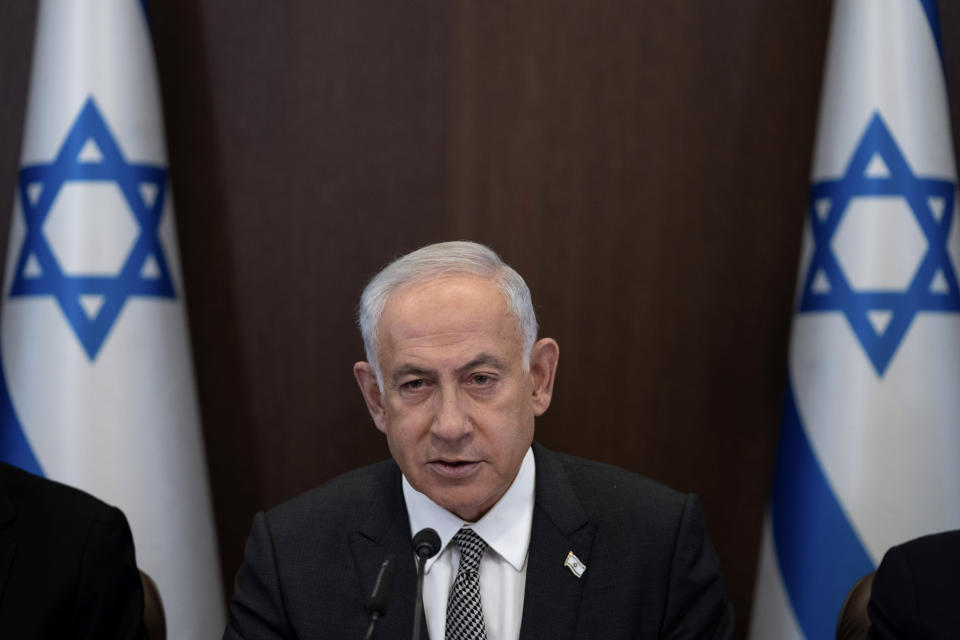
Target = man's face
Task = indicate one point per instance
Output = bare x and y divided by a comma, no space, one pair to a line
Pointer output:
457,406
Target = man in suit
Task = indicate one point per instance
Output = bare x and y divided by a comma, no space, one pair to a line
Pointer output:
915,590
533,544
67,567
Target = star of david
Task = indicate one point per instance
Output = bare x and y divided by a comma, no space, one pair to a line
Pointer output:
91,302
876,169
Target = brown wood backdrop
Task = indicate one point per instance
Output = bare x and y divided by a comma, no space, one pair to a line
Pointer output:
643,164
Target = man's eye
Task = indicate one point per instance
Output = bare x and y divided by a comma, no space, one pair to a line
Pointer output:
481,379
413,384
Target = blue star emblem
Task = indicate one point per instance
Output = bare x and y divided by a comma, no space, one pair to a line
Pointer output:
933,286
91,302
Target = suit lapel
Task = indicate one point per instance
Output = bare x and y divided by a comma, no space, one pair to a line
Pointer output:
7,542
552,594
387,532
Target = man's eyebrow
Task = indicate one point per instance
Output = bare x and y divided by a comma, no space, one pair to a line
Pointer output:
409,370
484,360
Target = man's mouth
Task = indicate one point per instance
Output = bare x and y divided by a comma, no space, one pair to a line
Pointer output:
454,468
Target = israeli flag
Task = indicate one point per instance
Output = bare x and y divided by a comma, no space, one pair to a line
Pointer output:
98,388
870,436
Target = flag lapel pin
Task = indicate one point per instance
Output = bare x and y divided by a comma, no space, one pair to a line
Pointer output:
575,565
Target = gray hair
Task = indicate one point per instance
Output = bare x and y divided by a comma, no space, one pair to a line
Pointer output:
437,261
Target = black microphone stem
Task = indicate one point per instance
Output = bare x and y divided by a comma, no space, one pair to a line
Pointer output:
382,588
418,608
426,544
373,623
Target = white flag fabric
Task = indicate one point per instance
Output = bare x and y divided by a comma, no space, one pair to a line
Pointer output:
870,436
98,389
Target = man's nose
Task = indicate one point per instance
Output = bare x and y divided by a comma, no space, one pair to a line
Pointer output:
451,421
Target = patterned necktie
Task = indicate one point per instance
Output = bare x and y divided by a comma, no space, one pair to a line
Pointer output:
464,613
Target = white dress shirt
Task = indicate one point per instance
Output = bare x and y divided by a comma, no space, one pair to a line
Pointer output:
503,569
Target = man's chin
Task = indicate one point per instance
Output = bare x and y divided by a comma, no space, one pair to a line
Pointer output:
460,502
467,513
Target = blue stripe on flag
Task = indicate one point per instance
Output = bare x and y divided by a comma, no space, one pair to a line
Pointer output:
933,17
819,553
145,7
14,448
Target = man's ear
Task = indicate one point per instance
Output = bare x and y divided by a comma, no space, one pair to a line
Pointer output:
543,368
367,379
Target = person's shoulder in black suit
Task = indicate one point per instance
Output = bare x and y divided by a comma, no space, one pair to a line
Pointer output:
67,566
916,590
648,529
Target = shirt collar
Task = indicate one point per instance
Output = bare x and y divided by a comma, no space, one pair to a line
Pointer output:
505,527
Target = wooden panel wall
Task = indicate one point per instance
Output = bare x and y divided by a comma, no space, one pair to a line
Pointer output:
643,164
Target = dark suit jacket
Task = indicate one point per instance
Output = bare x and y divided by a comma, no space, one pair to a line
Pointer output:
310,563
916,590
67,566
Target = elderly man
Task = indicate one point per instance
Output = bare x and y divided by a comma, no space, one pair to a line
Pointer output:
534,544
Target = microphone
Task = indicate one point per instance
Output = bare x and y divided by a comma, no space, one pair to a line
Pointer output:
382,588
426,544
